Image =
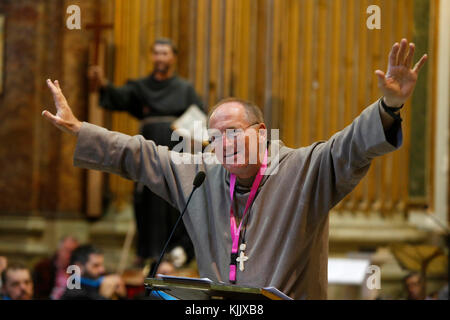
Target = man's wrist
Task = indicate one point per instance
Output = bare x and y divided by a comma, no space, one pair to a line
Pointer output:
392,112
77,127
391,104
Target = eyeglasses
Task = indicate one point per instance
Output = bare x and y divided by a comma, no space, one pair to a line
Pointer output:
230,134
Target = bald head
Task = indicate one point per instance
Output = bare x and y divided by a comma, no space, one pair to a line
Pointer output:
251,113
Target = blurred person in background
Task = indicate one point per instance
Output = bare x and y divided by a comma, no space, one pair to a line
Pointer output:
415,286
94,284
17,283
50,274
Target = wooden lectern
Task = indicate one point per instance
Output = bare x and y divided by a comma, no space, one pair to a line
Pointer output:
204,289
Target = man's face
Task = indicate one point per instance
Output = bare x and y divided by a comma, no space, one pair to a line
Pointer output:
65,251
414,287
163,58
18,285
236,142
95,267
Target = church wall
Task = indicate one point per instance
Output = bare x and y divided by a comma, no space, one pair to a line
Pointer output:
37,176
42,196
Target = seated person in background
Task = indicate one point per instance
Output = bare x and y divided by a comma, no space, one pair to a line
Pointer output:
3,265
443,293
415,286
50,274
94,285
17,283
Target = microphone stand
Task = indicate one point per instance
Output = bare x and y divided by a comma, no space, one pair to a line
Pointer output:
153,272
197,183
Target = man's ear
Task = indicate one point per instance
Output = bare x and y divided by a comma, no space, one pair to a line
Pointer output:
262,131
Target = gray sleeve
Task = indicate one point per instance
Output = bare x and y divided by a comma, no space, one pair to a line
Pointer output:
340,163
134,158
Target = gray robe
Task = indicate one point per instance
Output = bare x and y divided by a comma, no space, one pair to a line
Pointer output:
287,231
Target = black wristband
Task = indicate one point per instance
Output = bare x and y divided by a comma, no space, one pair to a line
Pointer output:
391,110
394,109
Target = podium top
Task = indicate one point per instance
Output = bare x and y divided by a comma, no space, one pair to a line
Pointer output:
204,289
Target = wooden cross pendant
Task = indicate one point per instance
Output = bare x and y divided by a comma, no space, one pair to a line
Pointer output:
242,257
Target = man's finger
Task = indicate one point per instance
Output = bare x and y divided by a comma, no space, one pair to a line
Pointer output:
57,85
402,52
58,97
60,94
393,55
53,89
381,77
420,64
51,86
49,116
410,55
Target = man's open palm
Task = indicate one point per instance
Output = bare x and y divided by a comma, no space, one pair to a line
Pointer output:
64,118
399,81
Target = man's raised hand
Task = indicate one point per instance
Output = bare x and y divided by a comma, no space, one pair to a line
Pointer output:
398,83
64,118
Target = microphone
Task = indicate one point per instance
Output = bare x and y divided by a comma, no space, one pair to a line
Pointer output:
198,180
